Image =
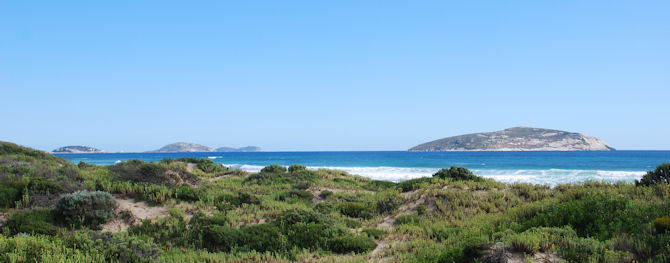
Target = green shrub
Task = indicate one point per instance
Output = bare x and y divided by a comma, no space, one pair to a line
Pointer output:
239,198
29,249
581,250
204,220
247,198
9,194
413,184
324,207
469,249
168,231
138,171
662,224
458,174
274,169
306,229
310,235
325,194
268,179
387,202
204,164
348,244
597,215
406,219
263,237
84,208
288,218
293,195
36,221
296,168
356,209
374,233
376,185
421,210
350,222
124,248
659,176
221,238
188,193
302,185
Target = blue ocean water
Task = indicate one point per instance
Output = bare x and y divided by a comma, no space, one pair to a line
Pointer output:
533,167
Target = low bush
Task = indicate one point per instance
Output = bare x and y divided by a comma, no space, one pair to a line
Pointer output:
581,250
597,215
406,219
662,224
84,208
206,165
469,249
274,169
421,210
239,198
325,194
348,244
374,233
286,219
377,185
458,174
124,248
659,176
294,195
268,179
169,231
218,238
188,193
10,193
356,209
36,221
351,223
263,237
310,235
324,207
388,201
296,168
39,248
413,184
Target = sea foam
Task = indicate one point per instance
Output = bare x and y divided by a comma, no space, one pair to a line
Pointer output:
536,176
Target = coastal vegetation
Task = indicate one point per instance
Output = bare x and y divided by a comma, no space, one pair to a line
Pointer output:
194,210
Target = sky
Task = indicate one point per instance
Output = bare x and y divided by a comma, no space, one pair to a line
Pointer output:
330,75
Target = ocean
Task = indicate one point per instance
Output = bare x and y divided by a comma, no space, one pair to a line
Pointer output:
549,168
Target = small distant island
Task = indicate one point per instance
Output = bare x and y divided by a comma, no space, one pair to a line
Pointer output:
517,139
77,149
194,147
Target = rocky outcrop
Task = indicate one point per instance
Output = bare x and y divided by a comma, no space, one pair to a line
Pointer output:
77,149
183,147
517,139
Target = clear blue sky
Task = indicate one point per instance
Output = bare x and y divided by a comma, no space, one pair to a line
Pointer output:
330,75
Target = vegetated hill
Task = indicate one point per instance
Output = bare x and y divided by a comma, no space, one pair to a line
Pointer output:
77,149
517,139
183,147
241,149
194,210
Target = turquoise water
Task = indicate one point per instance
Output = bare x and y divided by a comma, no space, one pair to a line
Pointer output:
534,167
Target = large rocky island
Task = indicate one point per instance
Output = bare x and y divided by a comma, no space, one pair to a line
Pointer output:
516,139
183,147
194,147
241,149
77,149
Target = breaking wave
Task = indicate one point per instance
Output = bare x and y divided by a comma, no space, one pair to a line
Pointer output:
550,176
